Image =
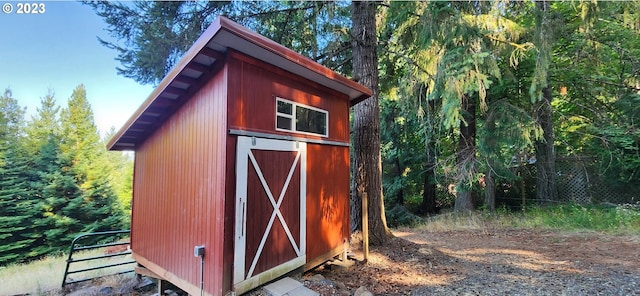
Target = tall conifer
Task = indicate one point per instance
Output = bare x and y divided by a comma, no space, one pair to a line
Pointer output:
85,156
15,203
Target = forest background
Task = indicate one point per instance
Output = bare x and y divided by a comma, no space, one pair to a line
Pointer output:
481,105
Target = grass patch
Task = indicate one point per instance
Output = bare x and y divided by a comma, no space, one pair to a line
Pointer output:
608,219
34,278
44,277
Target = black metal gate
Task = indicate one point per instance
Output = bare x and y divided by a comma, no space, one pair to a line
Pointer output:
75,247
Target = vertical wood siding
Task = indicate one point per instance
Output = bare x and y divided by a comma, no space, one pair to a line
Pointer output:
179,197
327,198
254,89
184,182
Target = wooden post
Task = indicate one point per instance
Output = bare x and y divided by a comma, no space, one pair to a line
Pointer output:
345,246
523,194
365,226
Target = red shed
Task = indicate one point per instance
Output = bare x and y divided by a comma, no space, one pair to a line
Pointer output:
243,148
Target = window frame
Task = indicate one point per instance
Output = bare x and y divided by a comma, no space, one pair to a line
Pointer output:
292,117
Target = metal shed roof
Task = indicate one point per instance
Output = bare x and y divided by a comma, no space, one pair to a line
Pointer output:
196,66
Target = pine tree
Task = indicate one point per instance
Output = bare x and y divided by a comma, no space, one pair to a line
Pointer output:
15,203
542,97
15,211
42,125
120,166
83,155
147,50
41,147
80,141
367,166
151,48
53,189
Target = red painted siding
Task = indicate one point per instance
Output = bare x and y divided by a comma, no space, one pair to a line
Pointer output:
253,89
179,190
184,186
327,198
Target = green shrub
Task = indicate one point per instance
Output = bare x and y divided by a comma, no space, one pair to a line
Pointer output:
399,216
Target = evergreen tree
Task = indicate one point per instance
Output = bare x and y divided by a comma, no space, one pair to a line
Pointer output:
367,163
120,166
400,138
595,111
84,156
42,125
147,50
155,34
542,96
59,199
16,210
15,203
12,117
42,137
80,141
452,54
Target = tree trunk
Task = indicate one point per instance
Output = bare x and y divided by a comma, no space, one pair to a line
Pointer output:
428,205
367,166
546,190
466,157
490,191
545,154
492,149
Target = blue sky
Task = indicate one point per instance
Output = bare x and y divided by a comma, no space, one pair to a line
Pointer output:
59,50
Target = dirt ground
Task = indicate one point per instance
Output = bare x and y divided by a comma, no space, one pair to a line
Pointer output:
477,262
490,262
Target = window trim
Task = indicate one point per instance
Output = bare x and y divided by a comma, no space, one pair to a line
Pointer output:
292,117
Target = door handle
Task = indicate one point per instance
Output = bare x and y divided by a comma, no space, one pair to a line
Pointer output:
244,215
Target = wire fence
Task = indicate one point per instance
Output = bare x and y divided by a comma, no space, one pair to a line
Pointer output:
579,180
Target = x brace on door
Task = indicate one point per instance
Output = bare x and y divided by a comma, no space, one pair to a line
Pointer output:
276,209
246,273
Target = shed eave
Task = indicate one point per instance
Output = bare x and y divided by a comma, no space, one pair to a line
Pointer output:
252,44
183,80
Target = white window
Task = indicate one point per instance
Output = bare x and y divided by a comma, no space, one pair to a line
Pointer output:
295,117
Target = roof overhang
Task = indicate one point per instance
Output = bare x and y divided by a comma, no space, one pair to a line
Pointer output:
199,63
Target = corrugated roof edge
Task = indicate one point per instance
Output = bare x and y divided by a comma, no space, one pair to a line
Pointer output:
223,23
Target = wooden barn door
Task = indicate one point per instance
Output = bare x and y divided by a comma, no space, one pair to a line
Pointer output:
270,210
